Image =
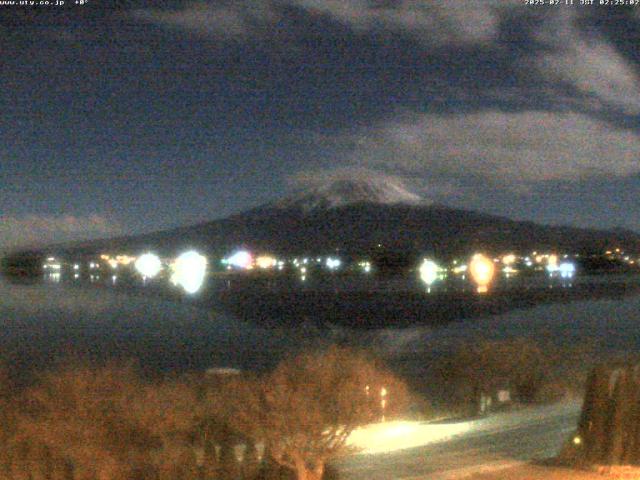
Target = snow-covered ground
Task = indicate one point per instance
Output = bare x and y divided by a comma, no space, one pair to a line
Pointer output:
424,451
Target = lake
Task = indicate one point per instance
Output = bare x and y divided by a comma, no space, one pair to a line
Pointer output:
44,323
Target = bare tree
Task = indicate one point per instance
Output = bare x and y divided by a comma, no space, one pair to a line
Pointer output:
305,410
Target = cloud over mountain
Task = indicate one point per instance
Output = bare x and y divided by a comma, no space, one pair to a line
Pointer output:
34,230
512,149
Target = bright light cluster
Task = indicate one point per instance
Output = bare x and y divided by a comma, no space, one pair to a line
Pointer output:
567,270
333,263
481,269
189,271
266,262
240,259
148,265
429,272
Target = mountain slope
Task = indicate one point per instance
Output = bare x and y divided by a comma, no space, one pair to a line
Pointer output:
354,218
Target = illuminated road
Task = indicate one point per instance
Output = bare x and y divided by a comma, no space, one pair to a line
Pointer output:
497,442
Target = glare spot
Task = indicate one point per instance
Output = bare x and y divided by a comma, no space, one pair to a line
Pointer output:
189,271
148,265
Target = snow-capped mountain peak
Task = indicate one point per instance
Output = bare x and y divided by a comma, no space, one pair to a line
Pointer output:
341,192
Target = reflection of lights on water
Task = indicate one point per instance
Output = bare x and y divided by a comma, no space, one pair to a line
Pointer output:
482,270
508,271
113,279
76,276
189,271
148,265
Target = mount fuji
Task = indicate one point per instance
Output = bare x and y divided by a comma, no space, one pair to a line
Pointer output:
358,217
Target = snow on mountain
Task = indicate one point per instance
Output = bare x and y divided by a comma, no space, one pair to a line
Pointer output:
341,192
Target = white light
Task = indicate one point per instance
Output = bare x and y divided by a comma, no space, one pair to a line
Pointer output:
148,265
189,271
240,259
428,272
76,267
333,263
567,269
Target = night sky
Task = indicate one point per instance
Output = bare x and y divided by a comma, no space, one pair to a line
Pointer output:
145,115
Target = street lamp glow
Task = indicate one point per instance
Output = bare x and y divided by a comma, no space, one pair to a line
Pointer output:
189,271
333,263
509,259
429,272
567,269
148,265
266,262
481,269
241,259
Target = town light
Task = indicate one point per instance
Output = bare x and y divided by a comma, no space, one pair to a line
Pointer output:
266,262
241,259
481,269
509,259
189,271
567,269
148,265
333,263
428,272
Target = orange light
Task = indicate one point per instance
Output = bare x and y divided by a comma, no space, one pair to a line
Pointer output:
482,270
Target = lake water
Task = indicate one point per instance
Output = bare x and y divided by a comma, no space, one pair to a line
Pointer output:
44,323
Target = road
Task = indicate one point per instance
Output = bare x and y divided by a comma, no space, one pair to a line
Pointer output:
421,451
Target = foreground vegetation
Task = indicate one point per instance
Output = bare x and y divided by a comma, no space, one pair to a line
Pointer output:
112,423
